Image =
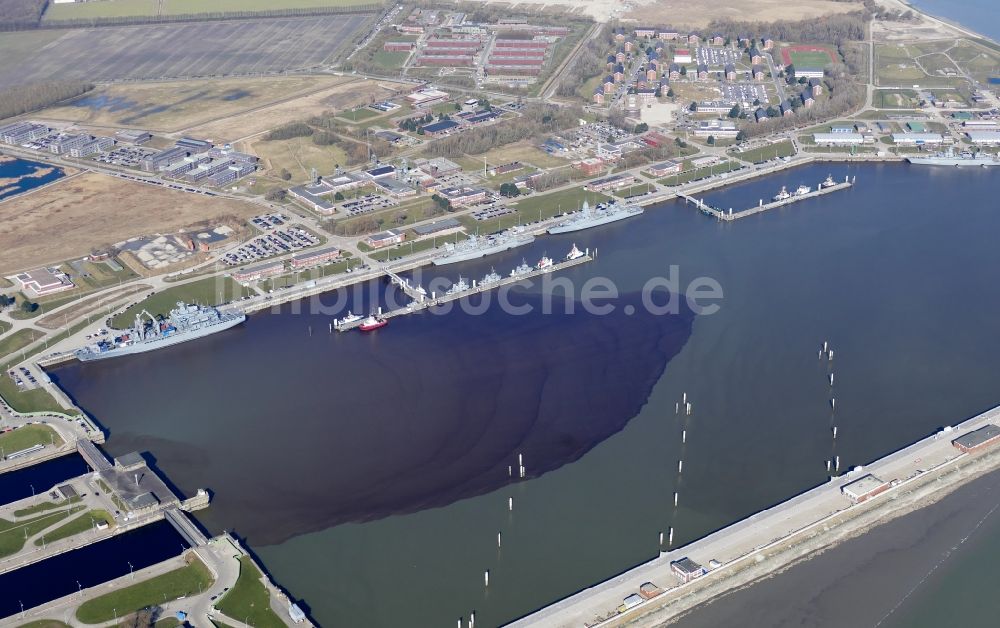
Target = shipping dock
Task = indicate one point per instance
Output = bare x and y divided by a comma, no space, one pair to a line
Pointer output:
421,300
781,199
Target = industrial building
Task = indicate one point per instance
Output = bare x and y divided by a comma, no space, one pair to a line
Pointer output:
315,258
917,139
615,182
978,440
437,226
665,168
464,196
44,281
984,138
385,238
261,271
133,137
686,569
864,488
838,139
716,128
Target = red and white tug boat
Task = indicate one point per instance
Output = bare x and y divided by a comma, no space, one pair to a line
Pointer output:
544,264
372,323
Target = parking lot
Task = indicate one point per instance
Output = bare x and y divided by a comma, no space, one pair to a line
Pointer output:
744,93
715,56
366,204
124,156
492,212
266,222
277,242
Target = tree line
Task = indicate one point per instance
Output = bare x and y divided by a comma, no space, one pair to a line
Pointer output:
589,62
21,14
26,98
832,28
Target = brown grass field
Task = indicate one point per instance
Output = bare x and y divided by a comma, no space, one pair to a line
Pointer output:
171,106
68,218
697,13
344,95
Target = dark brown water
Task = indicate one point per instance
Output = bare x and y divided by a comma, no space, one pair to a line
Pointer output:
406,434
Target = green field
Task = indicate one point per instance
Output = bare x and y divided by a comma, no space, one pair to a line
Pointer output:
358,115
83,523
895,98
249,599
44,623
809,59
634,190
188,580
701,173
411,247
34,400
4,327
18,340
135,8
764,153
542,206
44,506
210,291
28,436
390,60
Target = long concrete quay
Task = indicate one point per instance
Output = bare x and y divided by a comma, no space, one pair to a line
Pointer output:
422,301
721,214
750,539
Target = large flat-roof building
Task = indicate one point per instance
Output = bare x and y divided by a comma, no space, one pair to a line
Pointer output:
686,569
385,238
977,440
864,488
315,258
838,139
44,281
984,138
917,139
261,271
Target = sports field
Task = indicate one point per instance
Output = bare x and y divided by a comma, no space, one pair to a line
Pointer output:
169,51
142,8
803,56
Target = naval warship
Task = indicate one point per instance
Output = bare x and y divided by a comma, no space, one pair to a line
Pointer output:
185,322
600,215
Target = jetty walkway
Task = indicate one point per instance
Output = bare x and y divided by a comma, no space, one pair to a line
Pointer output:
422,301
721,214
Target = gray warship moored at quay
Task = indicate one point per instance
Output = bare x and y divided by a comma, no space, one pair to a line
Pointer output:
600,215
950,158
481,246
185,322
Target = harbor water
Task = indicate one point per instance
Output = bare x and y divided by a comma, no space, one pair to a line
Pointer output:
39,478
88,566
370,472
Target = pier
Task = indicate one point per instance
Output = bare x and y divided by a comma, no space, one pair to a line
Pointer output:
422,301
825,187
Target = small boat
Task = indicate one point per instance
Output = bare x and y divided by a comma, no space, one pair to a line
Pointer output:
802,190
372,323
574,253
829,182
782,195
544,264
347,320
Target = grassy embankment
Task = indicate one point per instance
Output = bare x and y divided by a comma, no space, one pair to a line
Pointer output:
783,148
29,436
188,580
84,522
143,8
13,534
210,291
249,598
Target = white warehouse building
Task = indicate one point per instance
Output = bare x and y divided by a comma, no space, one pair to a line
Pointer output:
917,139
838,139
984,138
